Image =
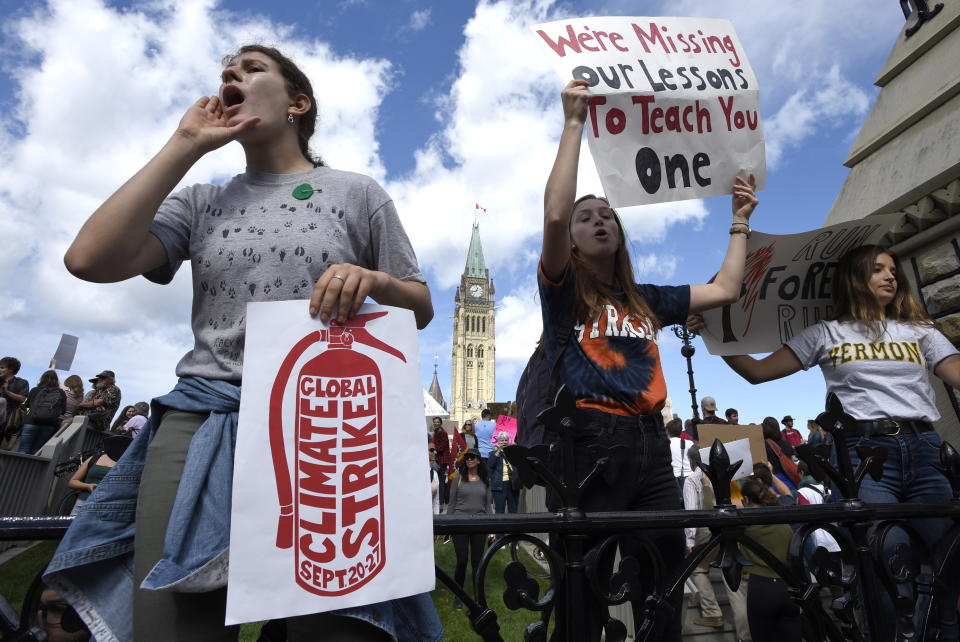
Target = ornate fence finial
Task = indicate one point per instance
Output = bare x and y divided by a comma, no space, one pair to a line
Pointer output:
720,472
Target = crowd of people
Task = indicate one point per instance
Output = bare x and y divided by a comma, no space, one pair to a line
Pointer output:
30,416
469,474
600,331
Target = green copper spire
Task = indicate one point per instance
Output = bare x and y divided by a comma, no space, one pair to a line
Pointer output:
476,266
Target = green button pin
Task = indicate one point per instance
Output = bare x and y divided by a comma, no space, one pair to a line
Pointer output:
303,191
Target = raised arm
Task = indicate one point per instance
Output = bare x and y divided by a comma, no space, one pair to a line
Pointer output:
115,243
775,365
561,189
725,287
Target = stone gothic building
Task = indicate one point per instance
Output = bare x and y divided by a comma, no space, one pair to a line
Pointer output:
473,380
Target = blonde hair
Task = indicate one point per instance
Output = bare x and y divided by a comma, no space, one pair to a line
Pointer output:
592,293
854,301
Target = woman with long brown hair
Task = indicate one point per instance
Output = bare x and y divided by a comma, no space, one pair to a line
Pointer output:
876,353
73,388
169,497
45,403
611,362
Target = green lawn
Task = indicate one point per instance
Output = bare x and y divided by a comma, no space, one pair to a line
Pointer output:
16,575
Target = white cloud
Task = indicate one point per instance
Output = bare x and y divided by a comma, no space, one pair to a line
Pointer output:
419,20
807,111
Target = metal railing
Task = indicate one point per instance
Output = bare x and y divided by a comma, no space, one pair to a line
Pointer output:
886,591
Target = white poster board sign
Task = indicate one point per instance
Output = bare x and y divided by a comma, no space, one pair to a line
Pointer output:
330,454
786,285
676,107
736,450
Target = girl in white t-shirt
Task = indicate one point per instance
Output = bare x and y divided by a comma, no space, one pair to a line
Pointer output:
875,354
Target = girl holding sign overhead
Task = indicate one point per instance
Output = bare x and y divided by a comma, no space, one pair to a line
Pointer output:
611,362
875,354
287,228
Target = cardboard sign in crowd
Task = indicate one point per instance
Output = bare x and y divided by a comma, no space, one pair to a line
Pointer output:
676,107
330,509
787,284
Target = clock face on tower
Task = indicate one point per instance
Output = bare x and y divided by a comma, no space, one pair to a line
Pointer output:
476,291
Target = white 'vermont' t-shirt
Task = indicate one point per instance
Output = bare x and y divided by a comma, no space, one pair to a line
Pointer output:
886,378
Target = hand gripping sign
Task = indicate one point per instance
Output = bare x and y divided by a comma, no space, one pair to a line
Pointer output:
336,400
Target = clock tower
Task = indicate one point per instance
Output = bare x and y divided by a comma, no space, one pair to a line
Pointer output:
473,380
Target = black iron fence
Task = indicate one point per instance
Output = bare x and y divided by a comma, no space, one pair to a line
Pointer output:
882,591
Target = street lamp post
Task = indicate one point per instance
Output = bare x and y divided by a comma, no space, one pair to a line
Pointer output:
687,351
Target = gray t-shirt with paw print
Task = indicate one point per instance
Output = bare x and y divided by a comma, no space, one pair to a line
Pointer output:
251,239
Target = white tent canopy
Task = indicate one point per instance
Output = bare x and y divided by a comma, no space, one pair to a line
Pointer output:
431,408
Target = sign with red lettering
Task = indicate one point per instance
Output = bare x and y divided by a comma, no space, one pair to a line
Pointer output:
786,285
322,518
505,424
676,107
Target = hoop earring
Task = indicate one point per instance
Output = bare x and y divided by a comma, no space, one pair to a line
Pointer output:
290,118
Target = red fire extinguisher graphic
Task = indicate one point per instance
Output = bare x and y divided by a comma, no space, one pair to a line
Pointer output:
331,511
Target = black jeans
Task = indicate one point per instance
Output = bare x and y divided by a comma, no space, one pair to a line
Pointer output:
476,542
773,616
638,477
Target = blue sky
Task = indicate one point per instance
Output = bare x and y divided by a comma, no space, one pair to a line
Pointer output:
445,103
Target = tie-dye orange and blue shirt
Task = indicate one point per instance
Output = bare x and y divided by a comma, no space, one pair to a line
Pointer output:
612,362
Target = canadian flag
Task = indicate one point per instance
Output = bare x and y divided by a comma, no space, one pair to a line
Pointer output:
479,208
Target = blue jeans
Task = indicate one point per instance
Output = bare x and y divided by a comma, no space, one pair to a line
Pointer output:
909,478
638,477
34,436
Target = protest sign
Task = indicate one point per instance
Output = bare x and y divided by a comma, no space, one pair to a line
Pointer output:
728,434
675,112
507,425
66,351
786,285
737,450
334,412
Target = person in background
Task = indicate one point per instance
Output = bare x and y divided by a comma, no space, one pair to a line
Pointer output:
58,620
732,415
441,442
102,402
469,436
469,495
817,435
434,476
46,404
790,434
763,470
94,469
772,614
123,417
774,442
133,425
484,431
679,446
697,495
502,476
708,415
73,388
13,389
